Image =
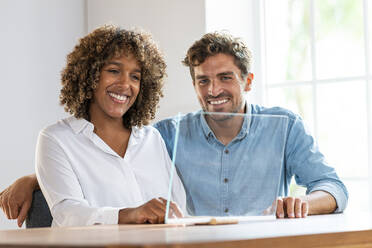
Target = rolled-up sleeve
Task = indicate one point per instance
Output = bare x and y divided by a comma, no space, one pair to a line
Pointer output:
309,166
62,190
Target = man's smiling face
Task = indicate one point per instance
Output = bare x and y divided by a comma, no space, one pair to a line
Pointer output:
219,84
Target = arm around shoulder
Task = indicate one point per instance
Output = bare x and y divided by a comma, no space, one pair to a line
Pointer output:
17,198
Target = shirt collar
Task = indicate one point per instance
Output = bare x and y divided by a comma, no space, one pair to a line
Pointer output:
243,131
87,128
206,129
79,125
246,122
136,135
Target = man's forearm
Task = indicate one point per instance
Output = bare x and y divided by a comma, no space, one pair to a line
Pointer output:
33,181
320,202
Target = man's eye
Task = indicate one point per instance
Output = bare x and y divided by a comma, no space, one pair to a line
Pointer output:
203,81
225,78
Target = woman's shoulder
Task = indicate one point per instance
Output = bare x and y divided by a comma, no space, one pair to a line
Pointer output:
64,127
146,131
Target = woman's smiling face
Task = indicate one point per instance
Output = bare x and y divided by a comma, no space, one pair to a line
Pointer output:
118,87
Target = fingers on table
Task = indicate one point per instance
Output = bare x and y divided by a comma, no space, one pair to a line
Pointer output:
291,207
305,209
279,208
23,213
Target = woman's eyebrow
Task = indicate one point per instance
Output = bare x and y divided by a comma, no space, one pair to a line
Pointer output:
114,63
120,64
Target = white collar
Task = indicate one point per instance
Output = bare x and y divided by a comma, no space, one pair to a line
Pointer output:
78,125
86,127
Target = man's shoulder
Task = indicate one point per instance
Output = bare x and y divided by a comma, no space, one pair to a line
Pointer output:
274,111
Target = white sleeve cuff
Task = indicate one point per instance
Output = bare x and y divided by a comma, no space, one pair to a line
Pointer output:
106,215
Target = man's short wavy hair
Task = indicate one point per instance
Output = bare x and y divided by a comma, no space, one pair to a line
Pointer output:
81,75
218,42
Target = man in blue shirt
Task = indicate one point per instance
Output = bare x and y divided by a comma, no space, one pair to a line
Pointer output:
219,66
220,70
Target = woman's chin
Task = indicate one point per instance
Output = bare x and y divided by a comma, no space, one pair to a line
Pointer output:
116,115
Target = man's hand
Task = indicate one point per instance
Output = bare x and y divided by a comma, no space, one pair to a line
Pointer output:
317,202
17,198
291,207
151,212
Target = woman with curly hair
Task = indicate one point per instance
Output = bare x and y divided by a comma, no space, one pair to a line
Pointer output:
102,165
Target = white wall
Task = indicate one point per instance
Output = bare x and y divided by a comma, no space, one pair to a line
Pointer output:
241,19
35,37
175,25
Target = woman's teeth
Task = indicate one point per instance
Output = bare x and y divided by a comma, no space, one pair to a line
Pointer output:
118,97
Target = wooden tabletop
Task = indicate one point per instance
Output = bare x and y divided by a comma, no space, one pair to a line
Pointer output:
343,230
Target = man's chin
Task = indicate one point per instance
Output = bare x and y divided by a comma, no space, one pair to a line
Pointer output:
219,110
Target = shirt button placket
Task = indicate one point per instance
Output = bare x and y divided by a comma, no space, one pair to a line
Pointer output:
225,168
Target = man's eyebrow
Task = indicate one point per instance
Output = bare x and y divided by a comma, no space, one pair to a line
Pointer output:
225,73
201,77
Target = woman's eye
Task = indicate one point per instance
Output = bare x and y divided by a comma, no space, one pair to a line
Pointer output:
136,78
114,71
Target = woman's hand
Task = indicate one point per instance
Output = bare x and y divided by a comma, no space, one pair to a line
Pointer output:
152,212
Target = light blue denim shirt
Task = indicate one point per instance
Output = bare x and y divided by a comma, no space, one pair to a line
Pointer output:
236,178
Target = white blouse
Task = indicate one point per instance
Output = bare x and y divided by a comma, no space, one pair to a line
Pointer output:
85,182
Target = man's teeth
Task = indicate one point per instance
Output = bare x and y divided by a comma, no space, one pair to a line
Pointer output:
118,97
218,102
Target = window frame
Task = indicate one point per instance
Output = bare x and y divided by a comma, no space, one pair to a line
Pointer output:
260,8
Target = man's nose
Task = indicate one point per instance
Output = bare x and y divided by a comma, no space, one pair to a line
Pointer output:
214,88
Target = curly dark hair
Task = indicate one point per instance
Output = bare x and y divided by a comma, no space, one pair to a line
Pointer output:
81,75
218,42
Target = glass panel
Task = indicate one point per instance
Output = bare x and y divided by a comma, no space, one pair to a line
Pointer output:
339,38
226,168
342,127
369,2
288,40
297,99
296,190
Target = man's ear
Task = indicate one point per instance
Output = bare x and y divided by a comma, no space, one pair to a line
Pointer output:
248,82
193,83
